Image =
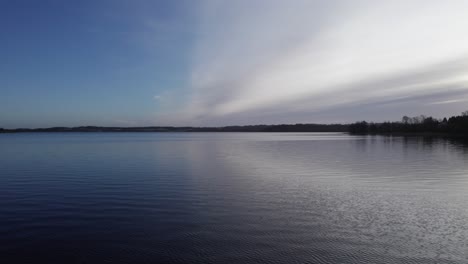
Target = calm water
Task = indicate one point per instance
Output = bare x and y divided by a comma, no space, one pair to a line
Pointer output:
232,198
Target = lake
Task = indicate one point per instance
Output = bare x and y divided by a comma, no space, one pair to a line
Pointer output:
232,198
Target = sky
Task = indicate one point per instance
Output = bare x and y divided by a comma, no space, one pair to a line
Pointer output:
220,62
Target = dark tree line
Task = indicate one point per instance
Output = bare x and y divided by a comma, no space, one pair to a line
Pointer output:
250,128
419,124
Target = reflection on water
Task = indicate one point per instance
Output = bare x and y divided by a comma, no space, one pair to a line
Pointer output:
232,197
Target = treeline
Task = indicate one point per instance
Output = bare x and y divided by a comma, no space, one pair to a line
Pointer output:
419,124
250,128
287,128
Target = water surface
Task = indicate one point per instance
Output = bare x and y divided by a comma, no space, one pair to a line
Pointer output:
232,197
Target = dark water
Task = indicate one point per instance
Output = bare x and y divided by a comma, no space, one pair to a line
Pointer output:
232,198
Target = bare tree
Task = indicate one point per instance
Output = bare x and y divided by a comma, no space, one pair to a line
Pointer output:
406,119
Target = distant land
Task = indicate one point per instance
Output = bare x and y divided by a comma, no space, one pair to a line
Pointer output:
455,125
250,128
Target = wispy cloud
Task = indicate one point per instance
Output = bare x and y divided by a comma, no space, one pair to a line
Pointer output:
449,101
265,58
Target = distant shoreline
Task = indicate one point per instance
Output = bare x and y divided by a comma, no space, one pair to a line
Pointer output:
221,130
408,126
423,125
249,128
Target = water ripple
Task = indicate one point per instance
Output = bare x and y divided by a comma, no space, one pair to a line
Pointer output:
232,197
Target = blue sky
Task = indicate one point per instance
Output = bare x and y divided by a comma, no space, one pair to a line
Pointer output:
90,62
207,62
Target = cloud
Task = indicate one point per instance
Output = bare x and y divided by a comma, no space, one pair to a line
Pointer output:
253,61
449,101
157,97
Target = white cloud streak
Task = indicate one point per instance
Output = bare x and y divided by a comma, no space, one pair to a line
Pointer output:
449,101
264,57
